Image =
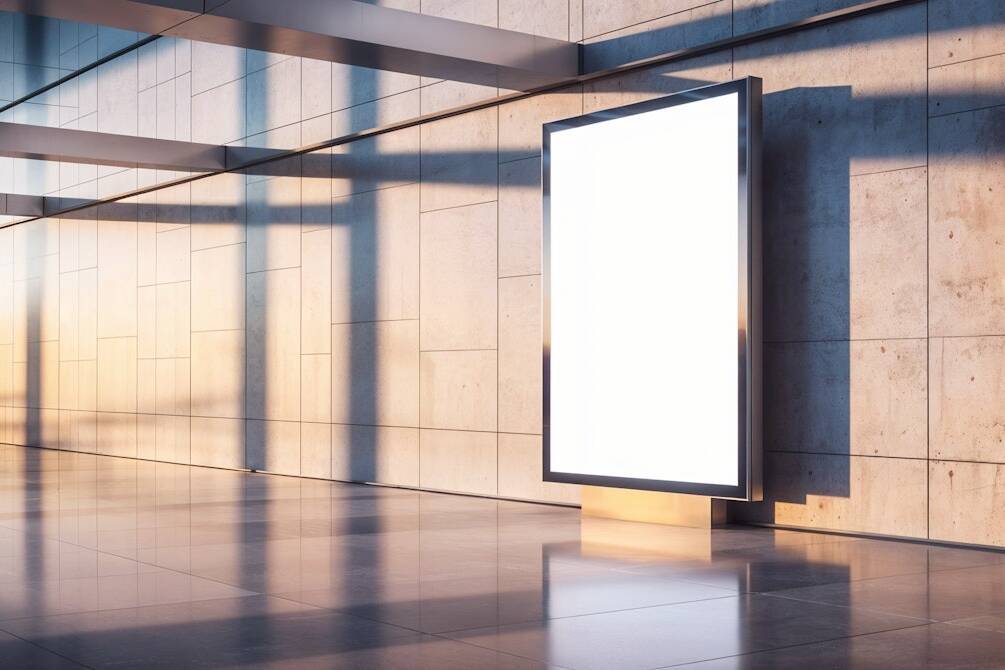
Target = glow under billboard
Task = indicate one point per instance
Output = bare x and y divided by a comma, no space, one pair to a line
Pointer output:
652,295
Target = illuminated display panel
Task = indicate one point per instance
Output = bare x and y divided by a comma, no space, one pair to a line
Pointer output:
652,295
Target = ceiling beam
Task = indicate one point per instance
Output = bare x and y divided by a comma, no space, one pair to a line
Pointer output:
18,140
145,16
36,206
17,204
341,31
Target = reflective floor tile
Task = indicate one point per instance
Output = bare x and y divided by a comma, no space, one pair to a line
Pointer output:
990,622
419,652
935,647
115,563
673,634
88,594
16,653
208,634
437,606
767,569
938,596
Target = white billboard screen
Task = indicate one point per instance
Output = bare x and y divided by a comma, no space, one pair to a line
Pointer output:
648,268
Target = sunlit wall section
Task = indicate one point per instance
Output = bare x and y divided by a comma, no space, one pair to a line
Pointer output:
7,397
34,53
273,319
882,284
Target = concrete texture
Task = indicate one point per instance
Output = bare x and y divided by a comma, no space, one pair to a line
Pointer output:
864,397
371,313
969,508
853,493
967,418
458,287
965,226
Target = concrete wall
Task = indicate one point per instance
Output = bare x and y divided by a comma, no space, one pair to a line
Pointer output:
374,314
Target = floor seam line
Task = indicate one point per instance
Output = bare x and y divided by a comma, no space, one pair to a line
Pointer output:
790,646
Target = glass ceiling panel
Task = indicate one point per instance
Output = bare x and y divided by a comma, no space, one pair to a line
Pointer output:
175,89
37,51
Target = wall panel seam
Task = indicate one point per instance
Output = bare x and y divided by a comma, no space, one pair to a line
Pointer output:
652,20
928,276
966,60
453,207
839,340
844,454
966,111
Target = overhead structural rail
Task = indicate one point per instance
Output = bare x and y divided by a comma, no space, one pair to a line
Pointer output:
16,204
38,206
258,159
342,31
19,140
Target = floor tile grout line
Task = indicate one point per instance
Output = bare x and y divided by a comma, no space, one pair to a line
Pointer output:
54,615
731,594
725,596
917,623
441,636
791,646
550,664
765,594
957,622
141,562
820,532
46,649
314,610
779,592
850,608
395,487
138,562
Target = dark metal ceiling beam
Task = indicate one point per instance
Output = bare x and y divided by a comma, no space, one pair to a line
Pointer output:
19,204
19,140
342,31
16,204
249,161
145,16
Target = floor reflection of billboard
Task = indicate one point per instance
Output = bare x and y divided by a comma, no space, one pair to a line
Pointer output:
652,290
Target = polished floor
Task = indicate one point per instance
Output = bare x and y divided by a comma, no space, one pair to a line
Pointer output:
113,563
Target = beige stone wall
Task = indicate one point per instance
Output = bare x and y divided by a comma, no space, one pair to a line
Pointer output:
372,313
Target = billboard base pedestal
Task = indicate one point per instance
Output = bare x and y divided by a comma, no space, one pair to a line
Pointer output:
671,509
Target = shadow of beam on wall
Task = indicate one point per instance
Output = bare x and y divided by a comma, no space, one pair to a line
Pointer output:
808,270
810,147
719,21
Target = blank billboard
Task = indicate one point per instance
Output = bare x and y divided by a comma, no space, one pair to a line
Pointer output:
652,294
